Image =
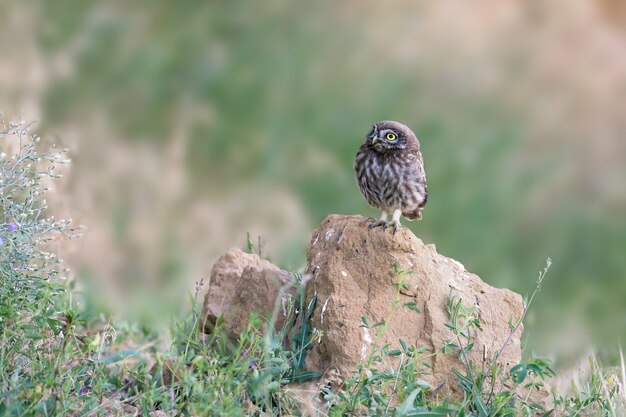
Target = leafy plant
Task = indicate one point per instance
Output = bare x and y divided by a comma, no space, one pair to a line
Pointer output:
36,320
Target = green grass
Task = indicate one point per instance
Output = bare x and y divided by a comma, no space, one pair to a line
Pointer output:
69,364
58,359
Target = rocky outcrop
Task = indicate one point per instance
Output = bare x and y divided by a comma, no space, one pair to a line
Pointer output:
243,283
365,276
356,273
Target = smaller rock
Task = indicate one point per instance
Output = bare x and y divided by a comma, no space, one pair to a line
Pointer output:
242,283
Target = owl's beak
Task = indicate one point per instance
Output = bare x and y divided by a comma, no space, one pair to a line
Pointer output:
374,135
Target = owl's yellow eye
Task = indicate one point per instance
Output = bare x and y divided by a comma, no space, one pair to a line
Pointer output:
391,136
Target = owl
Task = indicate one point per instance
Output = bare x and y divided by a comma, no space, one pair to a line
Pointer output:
390,173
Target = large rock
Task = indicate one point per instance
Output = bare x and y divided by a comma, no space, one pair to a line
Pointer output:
353,275
243,283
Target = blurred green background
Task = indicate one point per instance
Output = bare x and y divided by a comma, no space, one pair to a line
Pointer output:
191,123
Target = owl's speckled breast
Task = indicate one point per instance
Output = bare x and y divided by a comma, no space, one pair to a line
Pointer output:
380,181
388,181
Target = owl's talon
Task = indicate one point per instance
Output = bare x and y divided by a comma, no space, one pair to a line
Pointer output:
378,223
395,228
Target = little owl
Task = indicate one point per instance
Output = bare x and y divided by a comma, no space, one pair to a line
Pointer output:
390,173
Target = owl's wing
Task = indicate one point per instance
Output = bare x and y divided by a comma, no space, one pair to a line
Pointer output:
420,171
421,176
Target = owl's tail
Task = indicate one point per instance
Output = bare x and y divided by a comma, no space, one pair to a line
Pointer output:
414,214
417,213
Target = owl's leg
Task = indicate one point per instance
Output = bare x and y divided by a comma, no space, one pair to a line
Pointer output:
382,222
396,220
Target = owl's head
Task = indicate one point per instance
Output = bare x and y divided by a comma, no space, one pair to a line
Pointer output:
389,135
